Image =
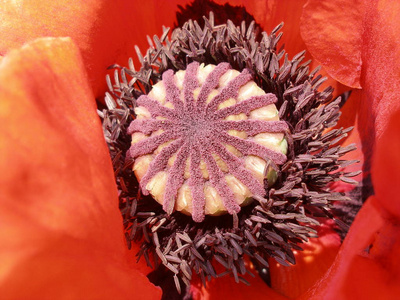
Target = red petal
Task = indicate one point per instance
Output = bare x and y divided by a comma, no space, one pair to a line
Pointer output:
358,43
59,206
367,266
226,288
311,264
59,267
379,97
386,167
381,62
332,32
104,30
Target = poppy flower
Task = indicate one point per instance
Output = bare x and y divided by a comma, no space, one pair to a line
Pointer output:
61,233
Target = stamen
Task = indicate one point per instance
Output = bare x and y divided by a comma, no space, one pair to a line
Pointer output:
278,220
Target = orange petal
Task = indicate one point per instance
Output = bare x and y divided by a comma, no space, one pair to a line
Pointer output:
380,94
60,267
358,43
367,266
332,32
381,62
104,30
386,167
59,205
226,288
311,264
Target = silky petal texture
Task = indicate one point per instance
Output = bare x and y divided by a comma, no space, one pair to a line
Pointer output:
366,35
60,227
311,263
386,167
332,31
368,264
105,31
226,288
381,67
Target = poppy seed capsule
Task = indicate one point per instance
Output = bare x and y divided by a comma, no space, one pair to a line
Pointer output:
203,139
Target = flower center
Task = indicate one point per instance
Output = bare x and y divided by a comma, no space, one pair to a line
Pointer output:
202,140
202,145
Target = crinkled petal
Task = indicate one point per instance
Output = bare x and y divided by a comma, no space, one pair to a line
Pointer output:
368,264
360,48
332,31
61,233
381,84
381,67
386,167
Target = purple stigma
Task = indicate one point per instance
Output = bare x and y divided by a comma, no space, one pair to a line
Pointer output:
190,128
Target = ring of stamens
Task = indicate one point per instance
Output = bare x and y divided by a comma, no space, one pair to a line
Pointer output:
272,226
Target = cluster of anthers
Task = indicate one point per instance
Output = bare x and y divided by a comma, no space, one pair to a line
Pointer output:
231,140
